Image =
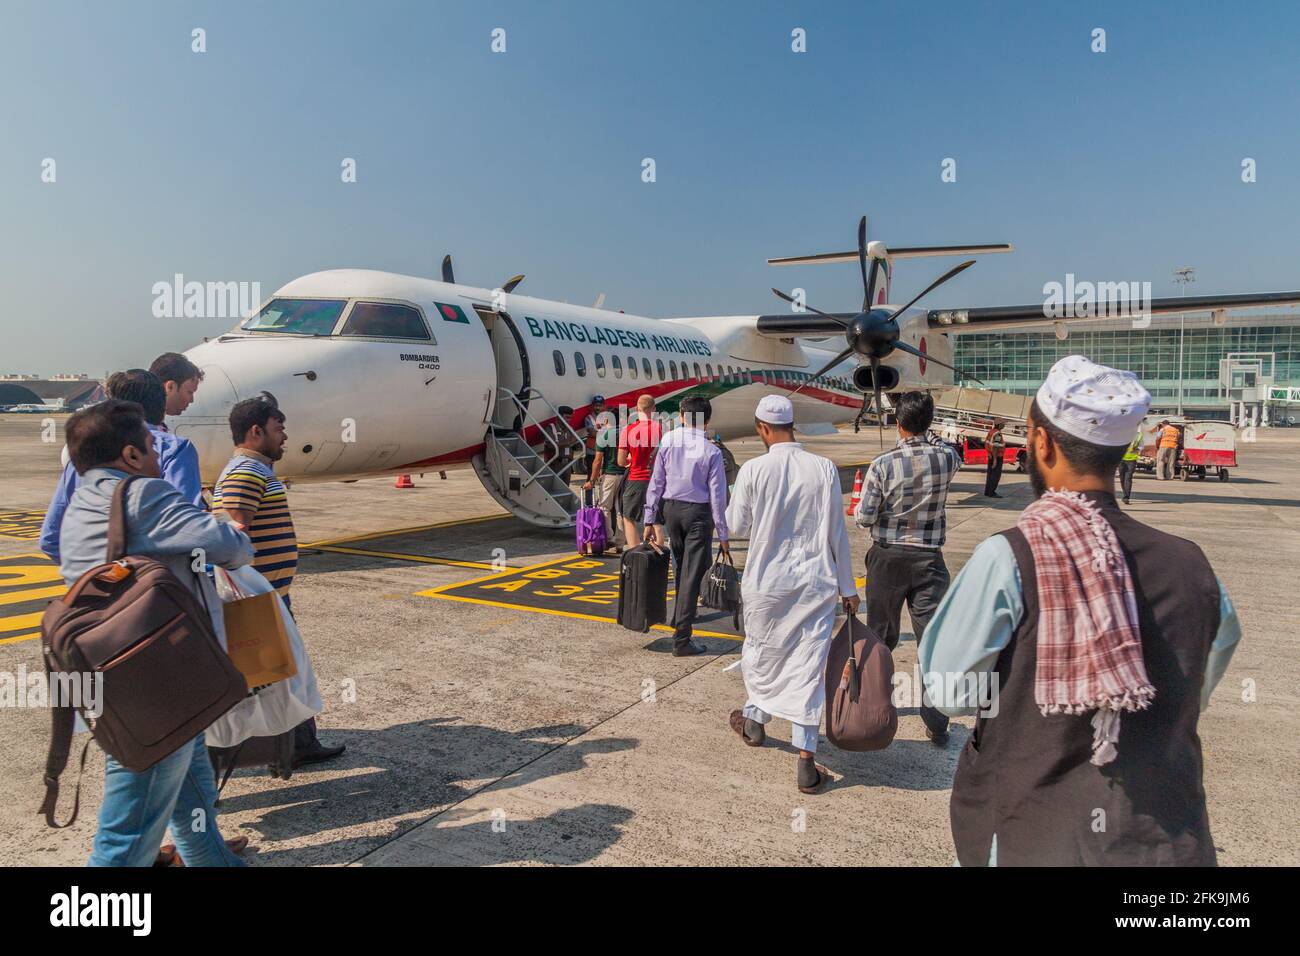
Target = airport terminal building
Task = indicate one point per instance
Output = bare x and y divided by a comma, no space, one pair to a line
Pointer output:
1246,369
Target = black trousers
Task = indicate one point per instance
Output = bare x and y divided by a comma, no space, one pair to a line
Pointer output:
690,530
1126,471
994,474
899,574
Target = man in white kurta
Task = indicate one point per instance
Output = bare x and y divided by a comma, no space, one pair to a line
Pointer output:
798,574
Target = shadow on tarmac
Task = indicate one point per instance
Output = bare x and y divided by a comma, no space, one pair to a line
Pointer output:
394,785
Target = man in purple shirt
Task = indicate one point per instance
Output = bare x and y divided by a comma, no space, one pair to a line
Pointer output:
690,478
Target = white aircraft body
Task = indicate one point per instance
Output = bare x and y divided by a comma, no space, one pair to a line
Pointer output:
380,373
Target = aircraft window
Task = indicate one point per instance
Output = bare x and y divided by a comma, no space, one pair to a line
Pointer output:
672,368
631,367
600,365
709,370
660,365
618,365
559,362
697,369
579,364
645,367
297,316
385,320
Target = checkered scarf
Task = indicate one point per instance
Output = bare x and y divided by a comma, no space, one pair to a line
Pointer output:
1089,651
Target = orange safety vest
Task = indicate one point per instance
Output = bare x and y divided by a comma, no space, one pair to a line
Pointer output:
1169,437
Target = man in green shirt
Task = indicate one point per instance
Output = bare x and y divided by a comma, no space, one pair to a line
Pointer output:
1129,465
606,478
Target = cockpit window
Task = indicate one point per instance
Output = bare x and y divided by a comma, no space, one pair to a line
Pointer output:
387,320
297,316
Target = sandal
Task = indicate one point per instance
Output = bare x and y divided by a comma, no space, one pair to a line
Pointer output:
737,722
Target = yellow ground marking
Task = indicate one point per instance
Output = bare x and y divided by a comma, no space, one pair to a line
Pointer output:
384,534
438,592
31,594
12,579
419,558
21,621
546,610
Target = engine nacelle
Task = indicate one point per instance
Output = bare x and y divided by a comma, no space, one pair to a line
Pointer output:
863,380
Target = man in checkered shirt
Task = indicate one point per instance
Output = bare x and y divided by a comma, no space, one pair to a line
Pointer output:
903,502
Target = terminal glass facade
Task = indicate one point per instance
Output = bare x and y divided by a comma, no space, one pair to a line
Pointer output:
1019,361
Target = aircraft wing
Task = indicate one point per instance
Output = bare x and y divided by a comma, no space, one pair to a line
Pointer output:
1001,317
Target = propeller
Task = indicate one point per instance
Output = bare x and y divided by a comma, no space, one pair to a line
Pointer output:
447,275
873,332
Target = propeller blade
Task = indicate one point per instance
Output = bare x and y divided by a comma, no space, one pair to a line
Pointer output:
871,285
829,365
913,350
805,305
936,283
510,285
447,274
862,264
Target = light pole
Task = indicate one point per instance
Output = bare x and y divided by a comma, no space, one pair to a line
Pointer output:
1182,276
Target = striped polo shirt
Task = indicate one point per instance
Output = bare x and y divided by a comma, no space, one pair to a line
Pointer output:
249,484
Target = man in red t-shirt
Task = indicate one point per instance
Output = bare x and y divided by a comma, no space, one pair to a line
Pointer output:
637,444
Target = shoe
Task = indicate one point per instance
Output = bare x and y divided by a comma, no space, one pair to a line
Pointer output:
751,731
811,776
993,494
318,753
236,845
1126,501
938,737
689,649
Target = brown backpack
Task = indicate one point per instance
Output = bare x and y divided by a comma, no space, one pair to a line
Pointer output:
860,711
165,676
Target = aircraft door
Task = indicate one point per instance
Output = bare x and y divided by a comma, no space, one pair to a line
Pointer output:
512,371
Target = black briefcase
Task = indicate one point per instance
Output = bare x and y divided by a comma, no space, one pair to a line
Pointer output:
722,588
643,587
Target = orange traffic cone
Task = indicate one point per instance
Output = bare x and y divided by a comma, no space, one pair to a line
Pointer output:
857,494
404,481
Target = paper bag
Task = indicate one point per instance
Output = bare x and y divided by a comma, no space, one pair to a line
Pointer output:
257,641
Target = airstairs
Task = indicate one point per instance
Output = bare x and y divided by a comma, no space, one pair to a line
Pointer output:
529,485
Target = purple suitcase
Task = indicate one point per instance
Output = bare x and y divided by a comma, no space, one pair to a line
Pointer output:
591,529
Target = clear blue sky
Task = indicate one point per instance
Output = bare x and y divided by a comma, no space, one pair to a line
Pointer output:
225,165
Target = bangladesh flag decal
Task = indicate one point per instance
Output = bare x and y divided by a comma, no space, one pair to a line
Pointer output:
452,313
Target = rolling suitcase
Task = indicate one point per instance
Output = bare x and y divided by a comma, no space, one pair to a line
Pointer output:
591,537
643,588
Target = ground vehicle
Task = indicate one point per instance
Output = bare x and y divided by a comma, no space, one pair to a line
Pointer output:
974,453
1207,446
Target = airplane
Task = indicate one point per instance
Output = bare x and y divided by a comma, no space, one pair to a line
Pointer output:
387,374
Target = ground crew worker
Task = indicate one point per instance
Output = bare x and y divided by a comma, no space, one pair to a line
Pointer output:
1128,466
995,444
1167,452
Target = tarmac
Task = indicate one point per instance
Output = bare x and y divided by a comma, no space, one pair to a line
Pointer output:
485,733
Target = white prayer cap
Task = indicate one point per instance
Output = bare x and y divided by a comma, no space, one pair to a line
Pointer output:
1099,404
776,410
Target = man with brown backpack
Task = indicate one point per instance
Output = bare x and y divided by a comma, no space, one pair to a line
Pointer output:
109,443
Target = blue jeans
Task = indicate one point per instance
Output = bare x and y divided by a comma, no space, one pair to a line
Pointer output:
137,808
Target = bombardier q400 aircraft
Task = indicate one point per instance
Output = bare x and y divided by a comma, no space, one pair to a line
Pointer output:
380,373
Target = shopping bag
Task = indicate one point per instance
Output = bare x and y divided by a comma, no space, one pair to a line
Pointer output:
278,707
256,638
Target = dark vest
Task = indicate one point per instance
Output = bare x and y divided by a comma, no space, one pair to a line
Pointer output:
1029,779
